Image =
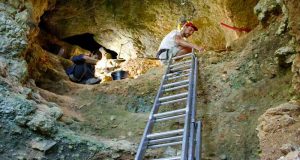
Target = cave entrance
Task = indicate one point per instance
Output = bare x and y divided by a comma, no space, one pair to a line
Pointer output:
86,41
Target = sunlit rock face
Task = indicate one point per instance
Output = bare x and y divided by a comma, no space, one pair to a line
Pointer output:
135,28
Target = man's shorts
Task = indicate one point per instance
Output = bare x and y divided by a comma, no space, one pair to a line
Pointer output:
166,54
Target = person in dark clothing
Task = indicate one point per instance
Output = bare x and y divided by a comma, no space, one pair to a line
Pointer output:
83,69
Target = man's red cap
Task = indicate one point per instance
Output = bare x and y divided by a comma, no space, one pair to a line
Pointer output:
192,25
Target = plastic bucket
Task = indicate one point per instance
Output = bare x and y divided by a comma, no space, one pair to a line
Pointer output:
118,75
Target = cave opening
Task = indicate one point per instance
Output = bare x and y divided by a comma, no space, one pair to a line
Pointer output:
86,41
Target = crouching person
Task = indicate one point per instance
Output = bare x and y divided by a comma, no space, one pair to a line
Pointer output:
83,69
175,43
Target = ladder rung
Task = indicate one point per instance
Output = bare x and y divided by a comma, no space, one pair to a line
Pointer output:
180,76
180,95
164,134
175,88
164,140
165,144
169,158
169,118
164,114
176,83
176,73
174,101
185,55
180,67
180,63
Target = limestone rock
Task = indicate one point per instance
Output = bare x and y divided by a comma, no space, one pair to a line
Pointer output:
42,123
17,105
214,60
14,40
283,51
44,119
16,129
24,112
13,31
294,155
265,8
53,112
18,69
42,145
223,157
274,119
285,55
274,122
286,148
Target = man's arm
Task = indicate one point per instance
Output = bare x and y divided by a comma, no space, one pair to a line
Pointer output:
181,42
90,60
84,59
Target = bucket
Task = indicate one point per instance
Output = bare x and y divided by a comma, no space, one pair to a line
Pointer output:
118,75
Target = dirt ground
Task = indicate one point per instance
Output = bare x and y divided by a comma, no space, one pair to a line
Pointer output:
115,109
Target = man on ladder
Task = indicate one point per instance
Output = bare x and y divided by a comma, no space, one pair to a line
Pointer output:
177,88
175,44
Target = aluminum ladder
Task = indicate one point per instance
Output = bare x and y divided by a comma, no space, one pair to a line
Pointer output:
183,75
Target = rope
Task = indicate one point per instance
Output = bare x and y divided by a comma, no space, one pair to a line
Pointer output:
236,28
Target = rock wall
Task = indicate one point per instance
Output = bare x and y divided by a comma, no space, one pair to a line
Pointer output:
236,88
14,41
294,25
282,120
20,106
19,27
19,103
256,79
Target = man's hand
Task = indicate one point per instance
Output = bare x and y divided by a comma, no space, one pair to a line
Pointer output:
200,49
90,60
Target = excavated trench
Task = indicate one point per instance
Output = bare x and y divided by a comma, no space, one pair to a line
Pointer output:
119,105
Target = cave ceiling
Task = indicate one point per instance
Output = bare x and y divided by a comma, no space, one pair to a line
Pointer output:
134,28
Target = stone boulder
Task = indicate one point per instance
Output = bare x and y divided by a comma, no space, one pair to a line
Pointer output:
265,8
285,55
278,127
44,120
293,155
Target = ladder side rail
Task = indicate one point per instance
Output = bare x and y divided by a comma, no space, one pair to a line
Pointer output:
143,145
193,112
185,142
198,141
